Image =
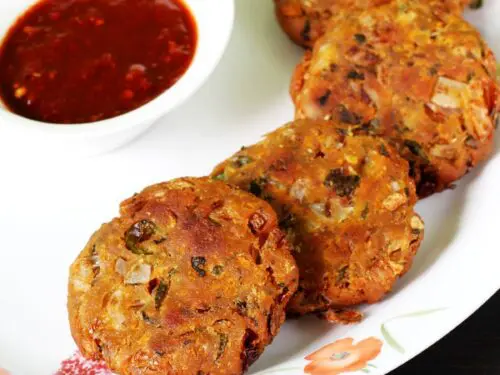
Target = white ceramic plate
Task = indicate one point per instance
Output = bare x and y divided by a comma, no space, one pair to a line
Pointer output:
49,208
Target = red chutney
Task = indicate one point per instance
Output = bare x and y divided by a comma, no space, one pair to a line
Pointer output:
80,61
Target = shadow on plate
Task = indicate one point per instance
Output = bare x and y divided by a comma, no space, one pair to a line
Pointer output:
272,55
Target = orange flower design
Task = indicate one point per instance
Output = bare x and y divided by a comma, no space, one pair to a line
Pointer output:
3,372
342,356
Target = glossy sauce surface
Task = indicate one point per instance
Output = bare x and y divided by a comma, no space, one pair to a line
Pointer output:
80,61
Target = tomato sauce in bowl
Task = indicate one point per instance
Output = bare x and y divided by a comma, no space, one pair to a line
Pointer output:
81,61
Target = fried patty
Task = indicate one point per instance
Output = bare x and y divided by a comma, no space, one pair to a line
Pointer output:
192,278
305,21
345,203
426,82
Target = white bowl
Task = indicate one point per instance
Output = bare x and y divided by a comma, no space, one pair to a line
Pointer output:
214,20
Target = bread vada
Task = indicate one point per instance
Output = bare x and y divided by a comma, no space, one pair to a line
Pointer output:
192,278
425,82
346,204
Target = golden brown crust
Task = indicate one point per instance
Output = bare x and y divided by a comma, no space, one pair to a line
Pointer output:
346,204
192,278
305,21
424,80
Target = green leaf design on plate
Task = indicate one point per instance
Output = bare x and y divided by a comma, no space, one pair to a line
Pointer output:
365,370
391,340
393,343
418,313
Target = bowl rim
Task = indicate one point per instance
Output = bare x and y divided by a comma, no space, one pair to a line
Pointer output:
193,78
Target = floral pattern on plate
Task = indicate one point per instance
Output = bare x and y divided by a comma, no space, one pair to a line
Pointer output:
343,356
